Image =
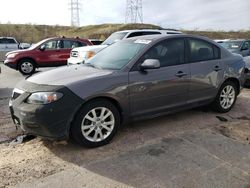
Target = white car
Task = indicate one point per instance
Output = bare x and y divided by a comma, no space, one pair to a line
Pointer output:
7,44
81,54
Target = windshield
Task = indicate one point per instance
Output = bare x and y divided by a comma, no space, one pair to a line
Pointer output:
231,44
114,38
116,56
38,44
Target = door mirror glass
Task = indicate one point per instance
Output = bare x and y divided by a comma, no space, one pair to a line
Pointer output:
42,47
245,46
150,64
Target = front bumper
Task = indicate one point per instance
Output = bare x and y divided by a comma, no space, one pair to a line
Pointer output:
10,63
51,120
75,61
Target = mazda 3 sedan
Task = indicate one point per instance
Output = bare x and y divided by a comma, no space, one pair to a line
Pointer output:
138,78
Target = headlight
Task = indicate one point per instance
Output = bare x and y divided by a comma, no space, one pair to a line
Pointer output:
90,54
12,55
43,97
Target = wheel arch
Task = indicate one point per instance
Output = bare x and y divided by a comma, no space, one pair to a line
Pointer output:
235,81
112,100
25,58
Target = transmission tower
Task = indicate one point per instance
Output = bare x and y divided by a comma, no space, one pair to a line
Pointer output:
134,11
75,9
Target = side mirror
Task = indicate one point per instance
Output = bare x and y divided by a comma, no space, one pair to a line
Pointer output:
150,64
245,47
42,47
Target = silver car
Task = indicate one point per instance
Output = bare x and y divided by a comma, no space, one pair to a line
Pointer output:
133,79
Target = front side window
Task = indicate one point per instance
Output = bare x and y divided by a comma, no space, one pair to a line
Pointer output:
246,45
202,51
51,45
116,56
169,52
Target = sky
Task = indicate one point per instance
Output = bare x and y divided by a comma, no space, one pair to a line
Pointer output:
177,14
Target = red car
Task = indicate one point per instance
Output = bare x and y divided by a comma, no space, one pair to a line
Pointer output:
46,53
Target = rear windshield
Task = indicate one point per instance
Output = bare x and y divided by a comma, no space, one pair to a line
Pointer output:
114,38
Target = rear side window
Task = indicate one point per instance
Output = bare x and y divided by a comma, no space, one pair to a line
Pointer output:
136,34
69,44
169,52
202,51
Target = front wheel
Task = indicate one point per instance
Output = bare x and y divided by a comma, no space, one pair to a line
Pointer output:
26,67
96,124
226,97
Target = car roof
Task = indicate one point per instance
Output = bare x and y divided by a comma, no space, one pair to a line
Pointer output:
7,38
158,37
150,30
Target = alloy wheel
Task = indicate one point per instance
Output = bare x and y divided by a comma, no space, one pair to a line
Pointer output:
98,124
227,97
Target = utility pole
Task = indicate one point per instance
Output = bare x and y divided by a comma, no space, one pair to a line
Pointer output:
75,10
134,12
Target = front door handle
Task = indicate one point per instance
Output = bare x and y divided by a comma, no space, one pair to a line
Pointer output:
180,74
217,68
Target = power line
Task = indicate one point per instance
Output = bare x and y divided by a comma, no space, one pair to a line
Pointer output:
75,10
134,12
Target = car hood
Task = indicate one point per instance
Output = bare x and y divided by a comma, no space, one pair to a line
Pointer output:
90,48
234,50
67,75
17,51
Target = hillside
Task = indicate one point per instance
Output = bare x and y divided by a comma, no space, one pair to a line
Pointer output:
34,33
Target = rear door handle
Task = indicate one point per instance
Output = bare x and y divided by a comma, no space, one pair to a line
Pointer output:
217,68
180,74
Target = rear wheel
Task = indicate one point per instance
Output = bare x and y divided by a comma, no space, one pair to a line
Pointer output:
96,124
226,97
26,66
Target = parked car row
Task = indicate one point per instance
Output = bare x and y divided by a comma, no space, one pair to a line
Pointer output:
56,51
46,53
80,55
136,78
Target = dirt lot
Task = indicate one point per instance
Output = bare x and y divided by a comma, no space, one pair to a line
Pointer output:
195,148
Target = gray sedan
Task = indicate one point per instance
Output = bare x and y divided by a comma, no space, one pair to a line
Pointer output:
133,79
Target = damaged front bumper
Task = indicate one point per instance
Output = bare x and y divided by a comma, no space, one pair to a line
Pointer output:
47,120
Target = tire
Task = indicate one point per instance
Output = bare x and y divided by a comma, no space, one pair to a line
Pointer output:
87,128
229,98
26,66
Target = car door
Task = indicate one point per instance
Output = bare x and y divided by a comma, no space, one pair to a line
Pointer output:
155,90
48,56
206,70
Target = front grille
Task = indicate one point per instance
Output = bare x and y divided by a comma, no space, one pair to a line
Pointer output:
74,54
